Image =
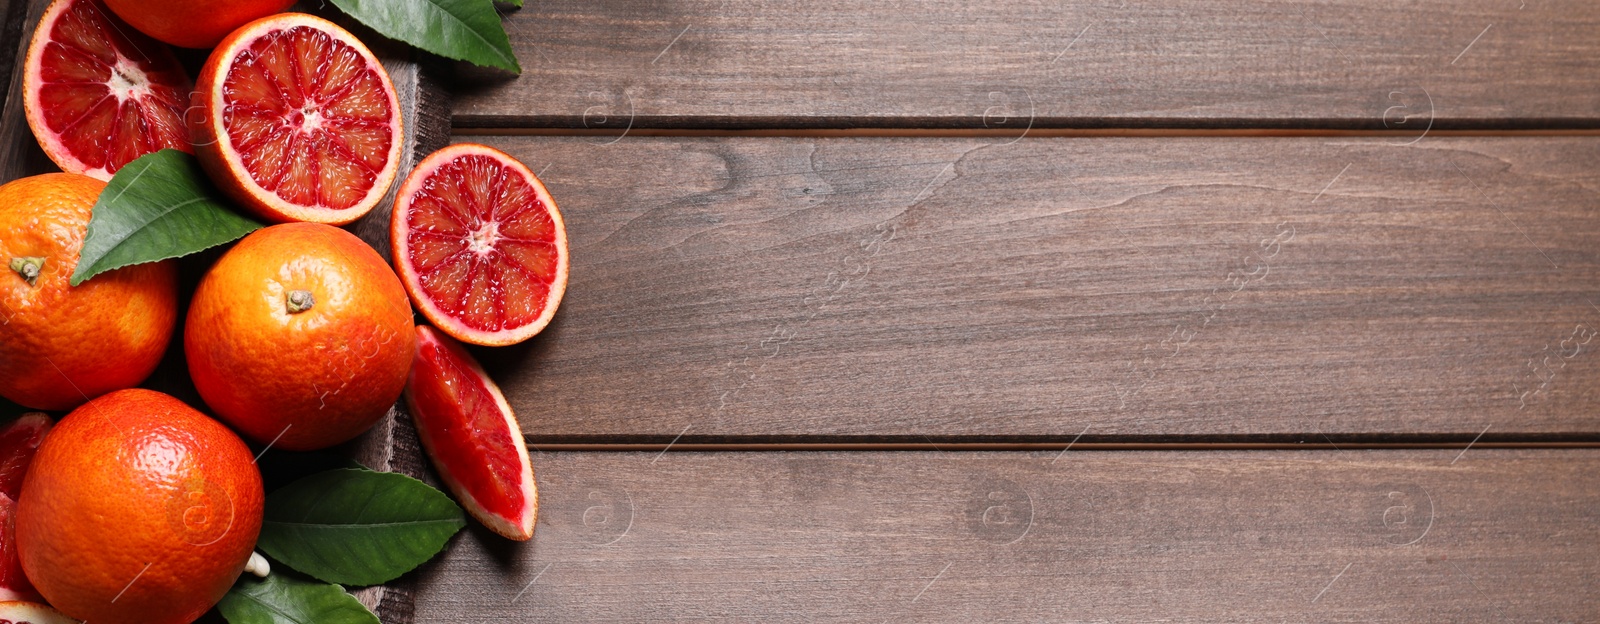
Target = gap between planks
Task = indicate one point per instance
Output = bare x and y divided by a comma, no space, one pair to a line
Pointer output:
1044,446
1003,133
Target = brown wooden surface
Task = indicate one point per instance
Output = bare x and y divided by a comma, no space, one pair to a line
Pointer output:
950,290
1119,288
11,16
955,63
19,153
1283,536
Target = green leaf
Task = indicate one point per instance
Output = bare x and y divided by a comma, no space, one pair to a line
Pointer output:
467,30
283,599
357,527
157,207
515,3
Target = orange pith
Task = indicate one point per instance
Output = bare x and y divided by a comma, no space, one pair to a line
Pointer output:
298,121
22,612
100,94
480,245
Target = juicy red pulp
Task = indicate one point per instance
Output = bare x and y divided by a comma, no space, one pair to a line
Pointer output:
482,243
309,118
108,92
470,440
19,441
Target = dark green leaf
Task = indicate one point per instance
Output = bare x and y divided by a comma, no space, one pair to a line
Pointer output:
467,30
283,599
357,527
515,3
157,207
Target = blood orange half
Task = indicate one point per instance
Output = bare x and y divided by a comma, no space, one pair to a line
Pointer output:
99,94
297,121
471,435
480,245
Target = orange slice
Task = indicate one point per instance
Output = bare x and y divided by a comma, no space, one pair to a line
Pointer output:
472,436
297,121
99,94
480,245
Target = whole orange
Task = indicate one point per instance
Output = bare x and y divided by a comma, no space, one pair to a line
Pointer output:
300,336
62,345
193,23
137,508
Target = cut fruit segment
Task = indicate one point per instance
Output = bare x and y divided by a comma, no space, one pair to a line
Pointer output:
297,121
99,94
472,436
18,612
13,584
480,245
19,440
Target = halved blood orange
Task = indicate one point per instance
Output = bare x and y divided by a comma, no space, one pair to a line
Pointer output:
99,94
296,120
472,436
480,245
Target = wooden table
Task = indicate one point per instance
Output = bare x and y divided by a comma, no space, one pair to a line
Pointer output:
1036,312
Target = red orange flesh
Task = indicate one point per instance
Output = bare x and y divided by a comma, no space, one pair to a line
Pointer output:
99,94
14,584
472,436
480,245
297,121
19,440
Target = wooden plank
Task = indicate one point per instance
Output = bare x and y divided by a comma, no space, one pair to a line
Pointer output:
1123,289
1391,536
19,152
12,14
1181,63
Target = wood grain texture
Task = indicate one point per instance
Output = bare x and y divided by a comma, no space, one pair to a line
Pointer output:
19,152
1121,289
953,63
1285,536
12,15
